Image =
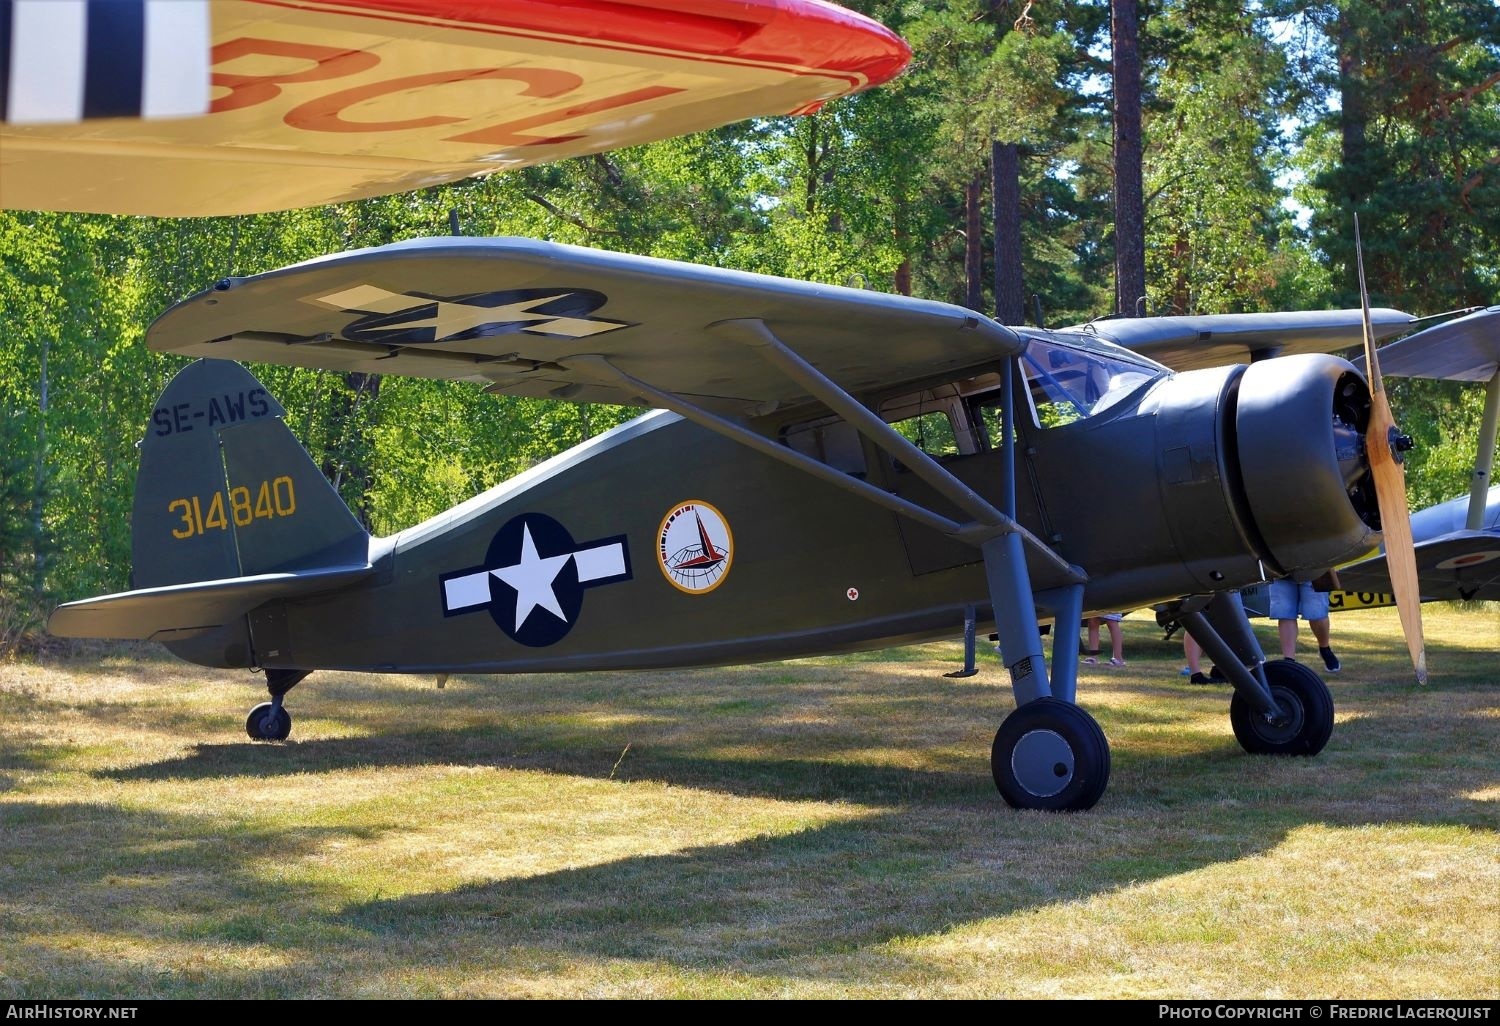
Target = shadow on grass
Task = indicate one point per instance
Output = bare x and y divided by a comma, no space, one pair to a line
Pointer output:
927,849
763,906
783,906
675,737
1376,762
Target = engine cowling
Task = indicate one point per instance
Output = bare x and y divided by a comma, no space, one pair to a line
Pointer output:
1304,478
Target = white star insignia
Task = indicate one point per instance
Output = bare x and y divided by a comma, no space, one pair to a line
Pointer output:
532,579
449,319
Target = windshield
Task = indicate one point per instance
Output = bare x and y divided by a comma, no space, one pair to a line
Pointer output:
1071,382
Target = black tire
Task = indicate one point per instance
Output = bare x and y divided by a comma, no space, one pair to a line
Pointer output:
1305,703
262,725
1050,755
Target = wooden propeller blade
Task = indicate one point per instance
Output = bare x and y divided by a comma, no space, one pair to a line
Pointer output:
1395,520
1390,491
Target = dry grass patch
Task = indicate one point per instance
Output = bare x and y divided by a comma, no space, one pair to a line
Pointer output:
816,828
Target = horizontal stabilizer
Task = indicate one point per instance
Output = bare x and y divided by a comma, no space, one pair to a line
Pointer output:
178,609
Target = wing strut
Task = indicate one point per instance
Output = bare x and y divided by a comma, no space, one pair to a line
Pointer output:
1484,459
988,521
601,369
1003,540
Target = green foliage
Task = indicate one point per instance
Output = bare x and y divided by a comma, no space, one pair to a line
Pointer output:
17,493
1213,218
1443,419
1411,148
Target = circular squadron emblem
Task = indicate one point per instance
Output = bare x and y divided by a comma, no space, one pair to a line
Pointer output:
695,547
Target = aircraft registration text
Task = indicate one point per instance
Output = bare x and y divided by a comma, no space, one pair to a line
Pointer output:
1359,599
180,418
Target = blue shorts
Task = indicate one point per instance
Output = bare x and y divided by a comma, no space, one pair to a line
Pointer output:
1289,598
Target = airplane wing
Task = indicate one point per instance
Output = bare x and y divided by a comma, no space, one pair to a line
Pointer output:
1214,340
522,317
1460,565
1463,349
319,101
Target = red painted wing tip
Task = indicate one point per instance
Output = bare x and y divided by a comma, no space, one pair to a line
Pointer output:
808,34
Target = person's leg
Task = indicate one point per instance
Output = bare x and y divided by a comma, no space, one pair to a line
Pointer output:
1283,609
1194,653
1314,605
1116,642
1287,629
1320,631
1091,650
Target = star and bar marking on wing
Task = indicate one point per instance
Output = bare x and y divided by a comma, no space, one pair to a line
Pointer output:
533,578
415,318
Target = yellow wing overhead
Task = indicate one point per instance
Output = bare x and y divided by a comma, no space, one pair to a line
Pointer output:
318,101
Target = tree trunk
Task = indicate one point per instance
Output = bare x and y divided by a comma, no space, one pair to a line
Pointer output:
974,244
901,227
810,153
1005,187
39,482
903,277
1130,205
1354,119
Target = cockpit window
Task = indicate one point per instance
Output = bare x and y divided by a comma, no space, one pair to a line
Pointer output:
932,432
1070,383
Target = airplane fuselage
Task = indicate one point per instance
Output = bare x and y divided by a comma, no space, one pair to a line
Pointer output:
579,563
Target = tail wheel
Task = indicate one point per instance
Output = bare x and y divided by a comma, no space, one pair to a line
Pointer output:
1306,721
268,723
1050,755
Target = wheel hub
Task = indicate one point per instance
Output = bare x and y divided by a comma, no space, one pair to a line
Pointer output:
1288,721
1042,762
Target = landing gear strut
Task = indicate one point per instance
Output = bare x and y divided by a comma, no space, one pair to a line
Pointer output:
1279,707
270,721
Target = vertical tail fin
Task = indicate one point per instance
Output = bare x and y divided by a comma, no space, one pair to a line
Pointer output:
225,490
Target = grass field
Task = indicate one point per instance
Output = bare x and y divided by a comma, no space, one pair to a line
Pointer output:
819,828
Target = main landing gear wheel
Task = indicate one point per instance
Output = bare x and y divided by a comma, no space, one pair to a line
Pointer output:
1306,721
268,722
1050,755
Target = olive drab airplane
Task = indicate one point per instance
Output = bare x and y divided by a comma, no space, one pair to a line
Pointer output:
825,469
192,107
